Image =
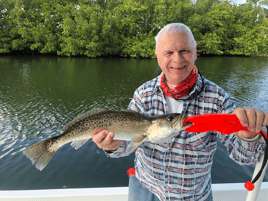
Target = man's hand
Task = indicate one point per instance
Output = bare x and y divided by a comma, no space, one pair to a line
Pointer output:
104,140
251,118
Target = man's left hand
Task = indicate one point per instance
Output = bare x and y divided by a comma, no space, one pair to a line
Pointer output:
251,118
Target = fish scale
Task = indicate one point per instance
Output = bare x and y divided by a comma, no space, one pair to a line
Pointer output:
127,125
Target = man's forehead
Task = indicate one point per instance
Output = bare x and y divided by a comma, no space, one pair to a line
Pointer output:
172,34
172,38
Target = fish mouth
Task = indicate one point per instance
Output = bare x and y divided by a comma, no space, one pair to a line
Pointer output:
188,125
178,124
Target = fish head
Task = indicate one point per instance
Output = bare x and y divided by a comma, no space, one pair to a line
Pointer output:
177,121
173,122
166,125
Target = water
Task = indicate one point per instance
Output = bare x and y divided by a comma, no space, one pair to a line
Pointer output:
39,95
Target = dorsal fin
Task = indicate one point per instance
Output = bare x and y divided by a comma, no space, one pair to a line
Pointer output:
127,110
82,116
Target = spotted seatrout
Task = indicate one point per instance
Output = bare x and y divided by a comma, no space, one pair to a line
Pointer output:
127,125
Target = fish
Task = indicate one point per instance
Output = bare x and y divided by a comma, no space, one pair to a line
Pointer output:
127,125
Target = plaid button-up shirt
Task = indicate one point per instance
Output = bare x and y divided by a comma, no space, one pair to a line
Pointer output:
181,169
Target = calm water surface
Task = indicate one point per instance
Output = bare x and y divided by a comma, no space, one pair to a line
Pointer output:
39,95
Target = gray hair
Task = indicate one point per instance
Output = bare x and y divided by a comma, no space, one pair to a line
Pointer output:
175,28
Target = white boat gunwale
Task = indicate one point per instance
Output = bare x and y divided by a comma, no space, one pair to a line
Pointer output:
221,192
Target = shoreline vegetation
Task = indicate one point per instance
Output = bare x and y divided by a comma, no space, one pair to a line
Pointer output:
126,28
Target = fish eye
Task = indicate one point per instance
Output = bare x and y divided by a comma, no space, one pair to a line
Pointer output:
170,118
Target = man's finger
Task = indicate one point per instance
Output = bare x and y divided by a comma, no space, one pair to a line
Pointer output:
110,136
108,139
242,116
259,120
104,140
265,121
99,136
251,116
109,143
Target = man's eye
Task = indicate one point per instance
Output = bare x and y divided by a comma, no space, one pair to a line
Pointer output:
184,51
169,53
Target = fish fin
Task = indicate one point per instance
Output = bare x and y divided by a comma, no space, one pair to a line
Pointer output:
138,138
78,143
135,112
134,144
39,154
96,111
127,110
82,116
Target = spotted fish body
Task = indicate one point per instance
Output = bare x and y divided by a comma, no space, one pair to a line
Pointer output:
127,125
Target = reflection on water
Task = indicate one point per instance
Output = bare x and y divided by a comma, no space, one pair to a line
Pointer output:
39,95
243,78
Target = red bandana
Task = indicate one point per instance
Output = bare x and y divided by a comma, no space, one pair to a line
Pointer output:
183,89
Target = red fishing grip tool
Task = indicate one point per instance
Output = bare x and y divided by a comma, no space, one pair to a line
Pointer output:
131,171
225,124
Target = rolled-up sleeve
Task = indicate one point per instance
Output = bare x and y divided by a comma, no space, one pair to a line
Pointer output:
241,151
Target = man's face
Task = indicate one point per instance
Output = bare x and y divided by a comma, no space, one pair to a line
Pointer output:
176,54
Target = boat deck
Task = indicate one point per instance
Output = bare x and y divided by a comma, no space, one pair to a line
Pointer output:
221,192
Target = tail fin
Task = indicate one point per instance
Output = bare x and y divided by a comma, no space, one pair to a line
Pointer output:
39,154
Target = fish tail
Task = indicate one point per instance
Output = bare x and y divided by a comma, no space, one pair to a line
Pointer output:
39,154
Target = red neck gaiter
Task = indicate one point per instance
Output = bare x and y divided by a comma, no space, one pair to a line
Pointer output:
183,89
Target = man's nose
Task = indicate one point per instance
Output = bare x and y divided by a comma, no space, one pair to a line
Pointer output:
177,57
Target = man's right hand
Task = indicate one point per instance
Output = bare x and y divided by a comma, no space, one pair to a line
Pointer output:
104,140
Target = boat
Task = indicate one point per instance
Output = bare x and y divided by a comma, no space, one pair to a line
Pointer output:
221,192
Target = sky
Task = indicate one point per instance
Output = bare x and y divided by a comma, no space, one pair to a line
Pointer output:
240,1
243,1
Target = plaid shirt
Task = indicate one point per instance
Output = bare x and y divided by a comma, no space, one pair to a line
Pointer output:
181,169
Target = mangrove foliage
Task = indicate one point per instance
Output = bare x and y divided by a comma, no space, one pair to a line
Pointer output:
126,28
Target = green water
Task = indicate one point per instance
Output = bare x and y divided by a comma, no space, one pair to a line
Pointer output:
39,95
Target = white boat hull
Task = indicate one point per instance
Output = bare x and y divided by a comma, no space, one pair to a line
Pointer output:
221,192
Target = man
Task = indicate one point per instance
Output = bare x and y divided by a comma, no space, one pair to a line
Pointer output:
180,170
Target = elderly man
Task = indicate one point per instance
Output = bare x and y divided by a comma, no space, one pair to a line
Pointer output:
181,169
